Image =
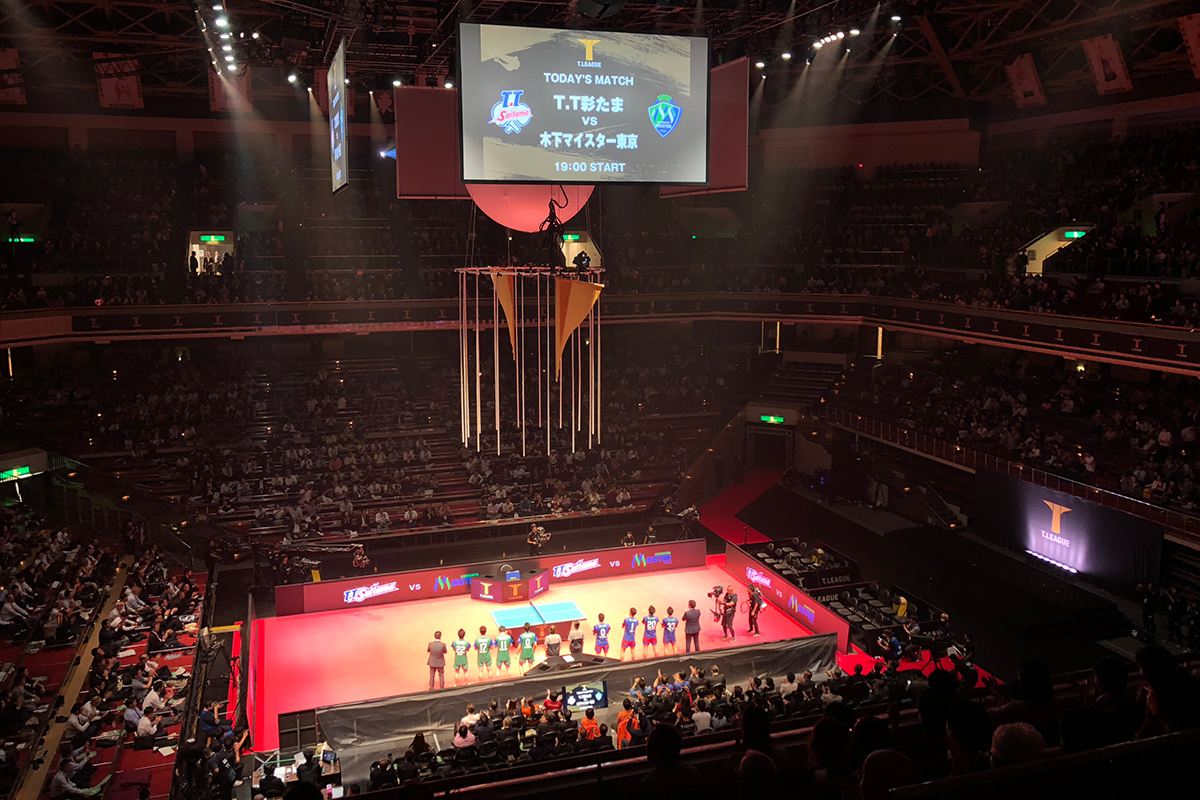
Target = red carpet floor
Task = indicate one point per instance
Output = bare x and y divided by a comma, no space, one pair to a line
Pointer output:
313,660
718,514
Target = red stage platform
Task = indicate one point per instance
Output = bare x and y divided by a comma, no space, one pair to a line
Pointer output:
329,658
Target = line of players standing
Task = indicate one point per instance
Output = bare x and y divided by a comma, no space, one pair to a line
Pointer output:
527,640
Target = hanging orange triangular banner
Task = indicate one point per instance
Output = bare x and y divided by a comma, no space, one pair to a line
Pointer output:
506,293
572,302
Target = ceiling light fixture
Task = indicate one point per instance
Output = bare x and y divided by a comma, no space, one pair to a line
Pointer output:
396,82
760,64
293,78
449,84
786,56
221,22
895,17
855,31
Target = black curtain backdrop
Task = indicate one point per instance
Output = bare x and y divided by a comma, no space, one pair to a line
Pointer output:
1101,543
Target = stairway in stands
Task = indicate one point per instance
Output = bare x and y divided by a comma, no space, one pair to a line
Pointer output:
801,383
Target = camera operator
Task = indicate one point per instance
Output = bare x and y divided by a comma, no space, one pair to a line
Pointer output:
729,609
756,604
536,538
718,597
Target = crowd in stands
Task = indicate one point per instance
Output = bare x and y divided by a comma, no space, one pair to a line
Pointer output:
858,745
1134,438
353,450
53,586
786,234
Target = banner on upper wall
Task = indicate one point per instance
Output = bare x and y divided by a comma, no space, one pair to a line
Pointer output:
1108,65
1094,541
230,92
118,80
384,104
1189,26
1026,84
12,82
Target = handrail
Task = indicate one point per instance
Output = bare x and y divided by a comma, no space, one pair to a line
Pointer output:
1181,526
969,785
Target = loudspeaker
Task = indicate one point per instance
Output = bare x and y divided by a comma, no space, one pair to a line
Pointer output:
600,9
559,663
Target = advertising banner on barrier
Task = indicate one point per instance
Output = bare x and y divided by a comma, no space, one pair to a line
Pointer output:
1063,530
365,732
786,596
396,587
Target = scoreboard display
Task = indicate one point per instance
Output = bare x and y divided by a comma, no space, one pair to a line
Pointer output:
557,106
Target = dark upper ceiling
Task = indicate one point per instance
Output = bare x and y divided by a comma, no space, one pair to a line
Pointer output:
943,48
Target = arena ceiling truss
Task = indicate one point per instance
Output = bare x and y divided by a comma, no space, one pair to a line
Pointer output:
942,49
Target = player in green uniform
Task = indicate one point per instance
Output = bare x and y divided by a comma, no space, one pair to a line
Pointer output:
461,647
528,641
483,650
504,643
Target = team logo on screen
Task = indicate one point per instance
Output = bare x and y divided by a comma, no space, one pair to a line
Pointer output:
664,115
510,113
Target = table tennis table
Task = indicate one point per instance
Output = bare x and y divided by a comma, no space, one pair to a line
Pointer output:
540,616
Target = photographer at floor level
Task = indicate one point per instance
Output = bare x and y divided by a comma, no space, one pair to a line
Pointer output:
756,604
729,603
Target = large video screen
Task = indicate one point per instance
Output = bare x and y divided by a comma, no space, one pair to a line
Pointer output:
336,85
554,106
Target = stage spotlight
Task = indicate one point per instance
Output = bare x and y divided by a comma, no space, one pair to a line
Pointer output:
229,58
449,84
841,35
254,35
855,31
228,48
818,44
760,64
221,22
786,56
293,78
895,17
224,35
347,81
218,7
396,82
383,154
230,67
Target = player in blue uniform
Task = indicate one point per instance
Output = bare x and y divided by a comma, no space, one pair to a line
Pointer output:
629,641
650,632
601,629
669,624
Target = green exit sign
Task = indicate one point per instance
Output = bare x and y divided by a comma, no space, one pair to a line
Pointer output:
571,237
771,418
213,237
14,473
1074,234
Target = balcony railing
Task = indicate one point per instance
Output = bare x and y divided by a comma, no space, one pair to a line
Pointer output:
1177,524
